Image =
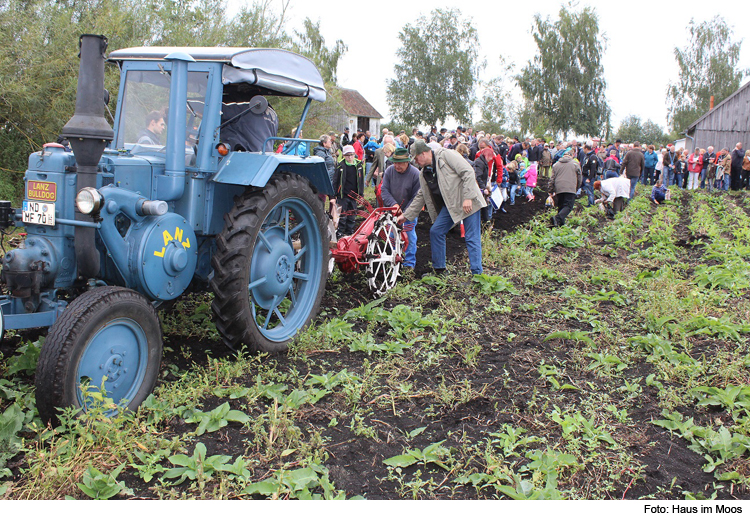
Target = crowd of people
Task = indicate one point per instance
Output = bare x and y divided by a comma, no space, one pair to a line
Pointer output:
462,177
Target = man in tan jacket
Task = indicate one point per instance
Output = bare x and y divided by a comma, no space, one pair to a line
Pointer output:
449,190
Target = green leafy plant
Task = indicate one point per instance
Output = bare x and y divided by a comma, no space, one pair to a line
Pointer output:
733,398
548,464
496,307
577,336
310,482
239,470
191,317
734,276
150,463
155,409
11,422
406,322
329,380
337,330
614,297
367,312
102,486
722,328
297,398
26,361
551,373
217,418
494,284
195,467
271,391
432,454
718,447
660,349
578,425
511,438
415,432
524,489
564,236
605,362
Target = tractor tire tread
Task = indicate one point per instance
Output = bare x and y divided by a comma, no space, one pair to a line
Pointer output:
54,356
230,258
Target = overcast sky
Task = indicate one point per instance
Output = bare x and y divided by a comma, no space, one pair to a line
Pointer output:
638,63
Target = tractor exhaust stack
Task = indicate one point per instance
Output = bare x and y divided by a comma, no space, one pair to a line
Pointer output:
88,133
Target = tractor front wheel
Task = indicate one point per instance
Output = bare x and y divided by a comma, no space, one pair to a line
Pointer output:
109,340
270,265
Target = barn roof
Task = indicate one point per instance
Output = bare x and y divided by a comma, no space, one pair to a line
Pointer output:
715,108
355,104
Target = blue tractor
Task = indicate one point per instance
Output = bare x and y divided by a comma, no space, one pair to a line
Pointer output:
134,215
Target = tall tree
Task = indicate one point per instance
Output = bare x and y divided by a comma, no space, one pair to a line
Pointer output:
630,129
39,63
496,109
565,80
259,25
311,44
708,66
648,133
653,134
435,77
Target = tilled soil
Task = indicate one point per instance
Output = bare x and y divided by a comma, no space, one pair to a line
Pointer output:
460,401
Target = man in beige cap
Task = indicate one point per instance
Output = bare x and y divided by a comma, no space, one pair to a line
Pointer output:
449,190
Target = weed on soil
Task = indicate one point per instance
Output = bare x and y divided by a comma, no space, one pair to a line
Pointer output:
600,360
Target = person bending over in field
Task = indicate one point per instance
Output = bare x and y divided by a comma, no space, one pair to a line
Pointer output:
660,193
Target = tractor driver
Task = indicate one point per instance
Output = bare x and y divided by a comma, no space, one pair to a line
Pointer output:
155,125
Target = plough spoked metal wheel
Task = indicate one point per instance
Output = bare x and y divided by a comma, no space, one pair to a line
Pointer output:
383,255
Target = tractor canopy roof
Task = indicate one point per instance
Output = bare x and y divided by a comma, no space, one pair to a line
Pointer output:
280,72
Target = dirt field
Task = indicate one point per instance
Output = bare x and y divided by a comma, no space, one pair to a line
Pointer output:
604,359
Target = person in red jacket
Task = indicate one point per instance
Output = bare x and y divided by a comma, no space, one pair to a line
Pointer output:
695,166
359,151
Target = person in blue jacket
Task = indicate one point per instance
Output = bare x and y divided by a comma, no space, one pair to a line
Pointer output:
651,158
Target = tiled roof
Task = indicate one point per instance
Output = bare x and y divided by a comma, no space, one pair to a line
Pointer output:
357,105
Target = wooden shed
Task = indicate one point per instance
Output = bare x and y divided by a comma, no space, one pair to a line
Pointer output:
355,112
724,126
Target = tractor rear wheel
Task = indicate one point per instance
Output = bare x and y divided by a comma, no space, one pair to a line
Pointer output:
109,338
270,265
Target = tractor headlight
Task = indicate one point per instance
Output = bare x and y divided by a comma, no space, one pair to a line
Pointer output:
89,201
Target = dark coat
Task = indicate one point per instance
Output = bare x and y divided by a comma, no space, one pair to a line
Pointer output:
590,166
481,171
633,163
323,152
737,156
342,186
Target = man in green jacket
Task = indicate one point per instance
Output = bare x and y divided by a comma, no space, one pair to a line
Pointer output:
348,180
449,190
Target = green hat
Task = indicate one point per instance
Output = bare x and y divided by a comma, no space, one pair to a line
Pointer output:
401,155
420,146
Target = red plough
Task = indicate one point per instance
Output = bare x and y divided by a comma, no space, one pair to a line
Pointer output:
377,245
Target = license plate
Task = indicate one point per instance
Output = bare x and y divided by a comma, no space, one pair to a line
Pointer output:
38,213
